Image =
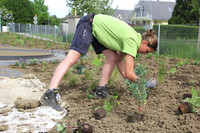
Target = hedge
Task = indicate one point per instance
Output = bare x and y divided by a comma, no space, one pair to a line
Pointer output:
178,31
140,30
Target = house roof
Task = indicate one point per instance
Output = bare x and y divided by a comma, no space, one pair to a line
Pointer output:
160,10
125,14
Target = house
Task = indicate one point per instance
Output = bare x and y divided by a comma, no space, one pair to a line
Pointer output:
147,13
122,15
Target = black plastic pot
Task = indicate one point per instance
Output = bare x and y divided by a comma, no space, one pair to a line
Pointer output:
81,69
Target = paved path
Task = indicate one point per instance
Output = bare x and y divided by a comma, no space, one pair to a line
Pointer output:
9,56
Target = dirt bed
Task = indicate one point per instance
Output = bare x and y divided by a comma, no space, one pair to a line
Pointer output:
161,108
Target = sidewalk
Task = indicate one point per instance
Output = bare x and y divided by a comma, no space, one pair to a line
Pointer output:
10,55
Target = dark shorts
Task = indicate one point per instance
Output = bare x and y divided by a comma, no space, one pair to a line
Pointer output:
83,37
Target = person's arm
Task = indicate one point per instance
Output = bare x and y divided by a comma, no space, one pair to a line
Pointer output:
129,68
120,64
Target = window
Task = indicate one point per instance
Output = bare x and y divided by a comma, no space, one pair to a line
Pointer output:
141,12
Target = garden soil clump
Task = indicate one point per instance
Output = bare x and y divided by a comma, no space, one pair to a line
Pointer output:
160,109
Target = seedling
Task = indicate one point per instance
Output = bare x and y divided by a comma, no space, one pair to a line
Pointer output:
172,70
149,55
23,65
139,89
80,128
17,64
194,101
109,104
33,61
162,70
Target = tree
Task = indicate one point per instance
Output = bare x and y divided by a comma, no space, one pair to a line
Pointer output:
42,12
184,13
5,16
23,10
91,6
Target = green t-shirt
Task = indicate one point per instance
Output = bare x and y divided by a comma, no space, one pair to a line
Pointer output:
116,34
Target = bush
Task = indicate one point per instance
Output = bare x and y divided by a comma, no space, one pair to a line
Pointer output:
140,30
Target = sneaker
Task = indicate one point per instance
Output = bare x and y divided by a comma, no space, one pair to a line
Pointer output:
101,92
49,99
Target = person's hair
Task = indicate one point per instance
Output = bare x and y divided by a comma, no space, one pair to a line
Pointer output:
150,36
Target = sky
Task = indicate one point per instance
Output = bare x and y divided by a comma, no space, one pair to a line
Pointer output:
60,9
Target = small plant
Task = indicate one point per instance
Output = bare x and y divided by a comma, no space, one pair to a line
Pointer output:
54,62
172,70
138,56
96,61
73,81
157,58
80,128
23,65
43,66
88,74
194,101
91,88
113,76
149,55
17,64
109,104
139,89
33,61
162,70
67,74
196,63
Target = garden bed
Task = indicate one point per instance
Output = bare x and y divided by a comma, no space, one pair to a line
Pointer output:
160,111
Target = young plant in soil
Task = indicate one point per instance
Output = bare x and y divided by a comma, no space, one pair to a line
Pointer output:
91,88
80,128
139,89
190,105
172,70
109,104
162,70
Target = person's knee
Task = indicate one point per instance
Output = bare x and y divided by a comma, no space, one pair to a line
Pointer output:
112,59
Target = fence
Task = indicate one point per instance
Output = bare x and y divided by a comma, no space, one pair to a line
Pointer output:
171,43
53,33
179,44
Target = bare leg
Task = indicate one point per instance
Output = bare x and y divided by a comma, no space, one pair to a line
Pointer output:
63,67
111,58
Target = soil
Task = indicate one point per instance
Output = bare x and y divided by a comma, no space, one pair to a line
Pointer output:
159,113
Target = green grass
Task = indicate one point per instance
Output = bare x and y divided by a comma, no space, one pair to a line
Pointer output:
179,48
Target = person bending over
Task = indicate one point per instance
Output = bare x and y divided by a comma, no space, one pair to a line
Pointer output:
110,36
